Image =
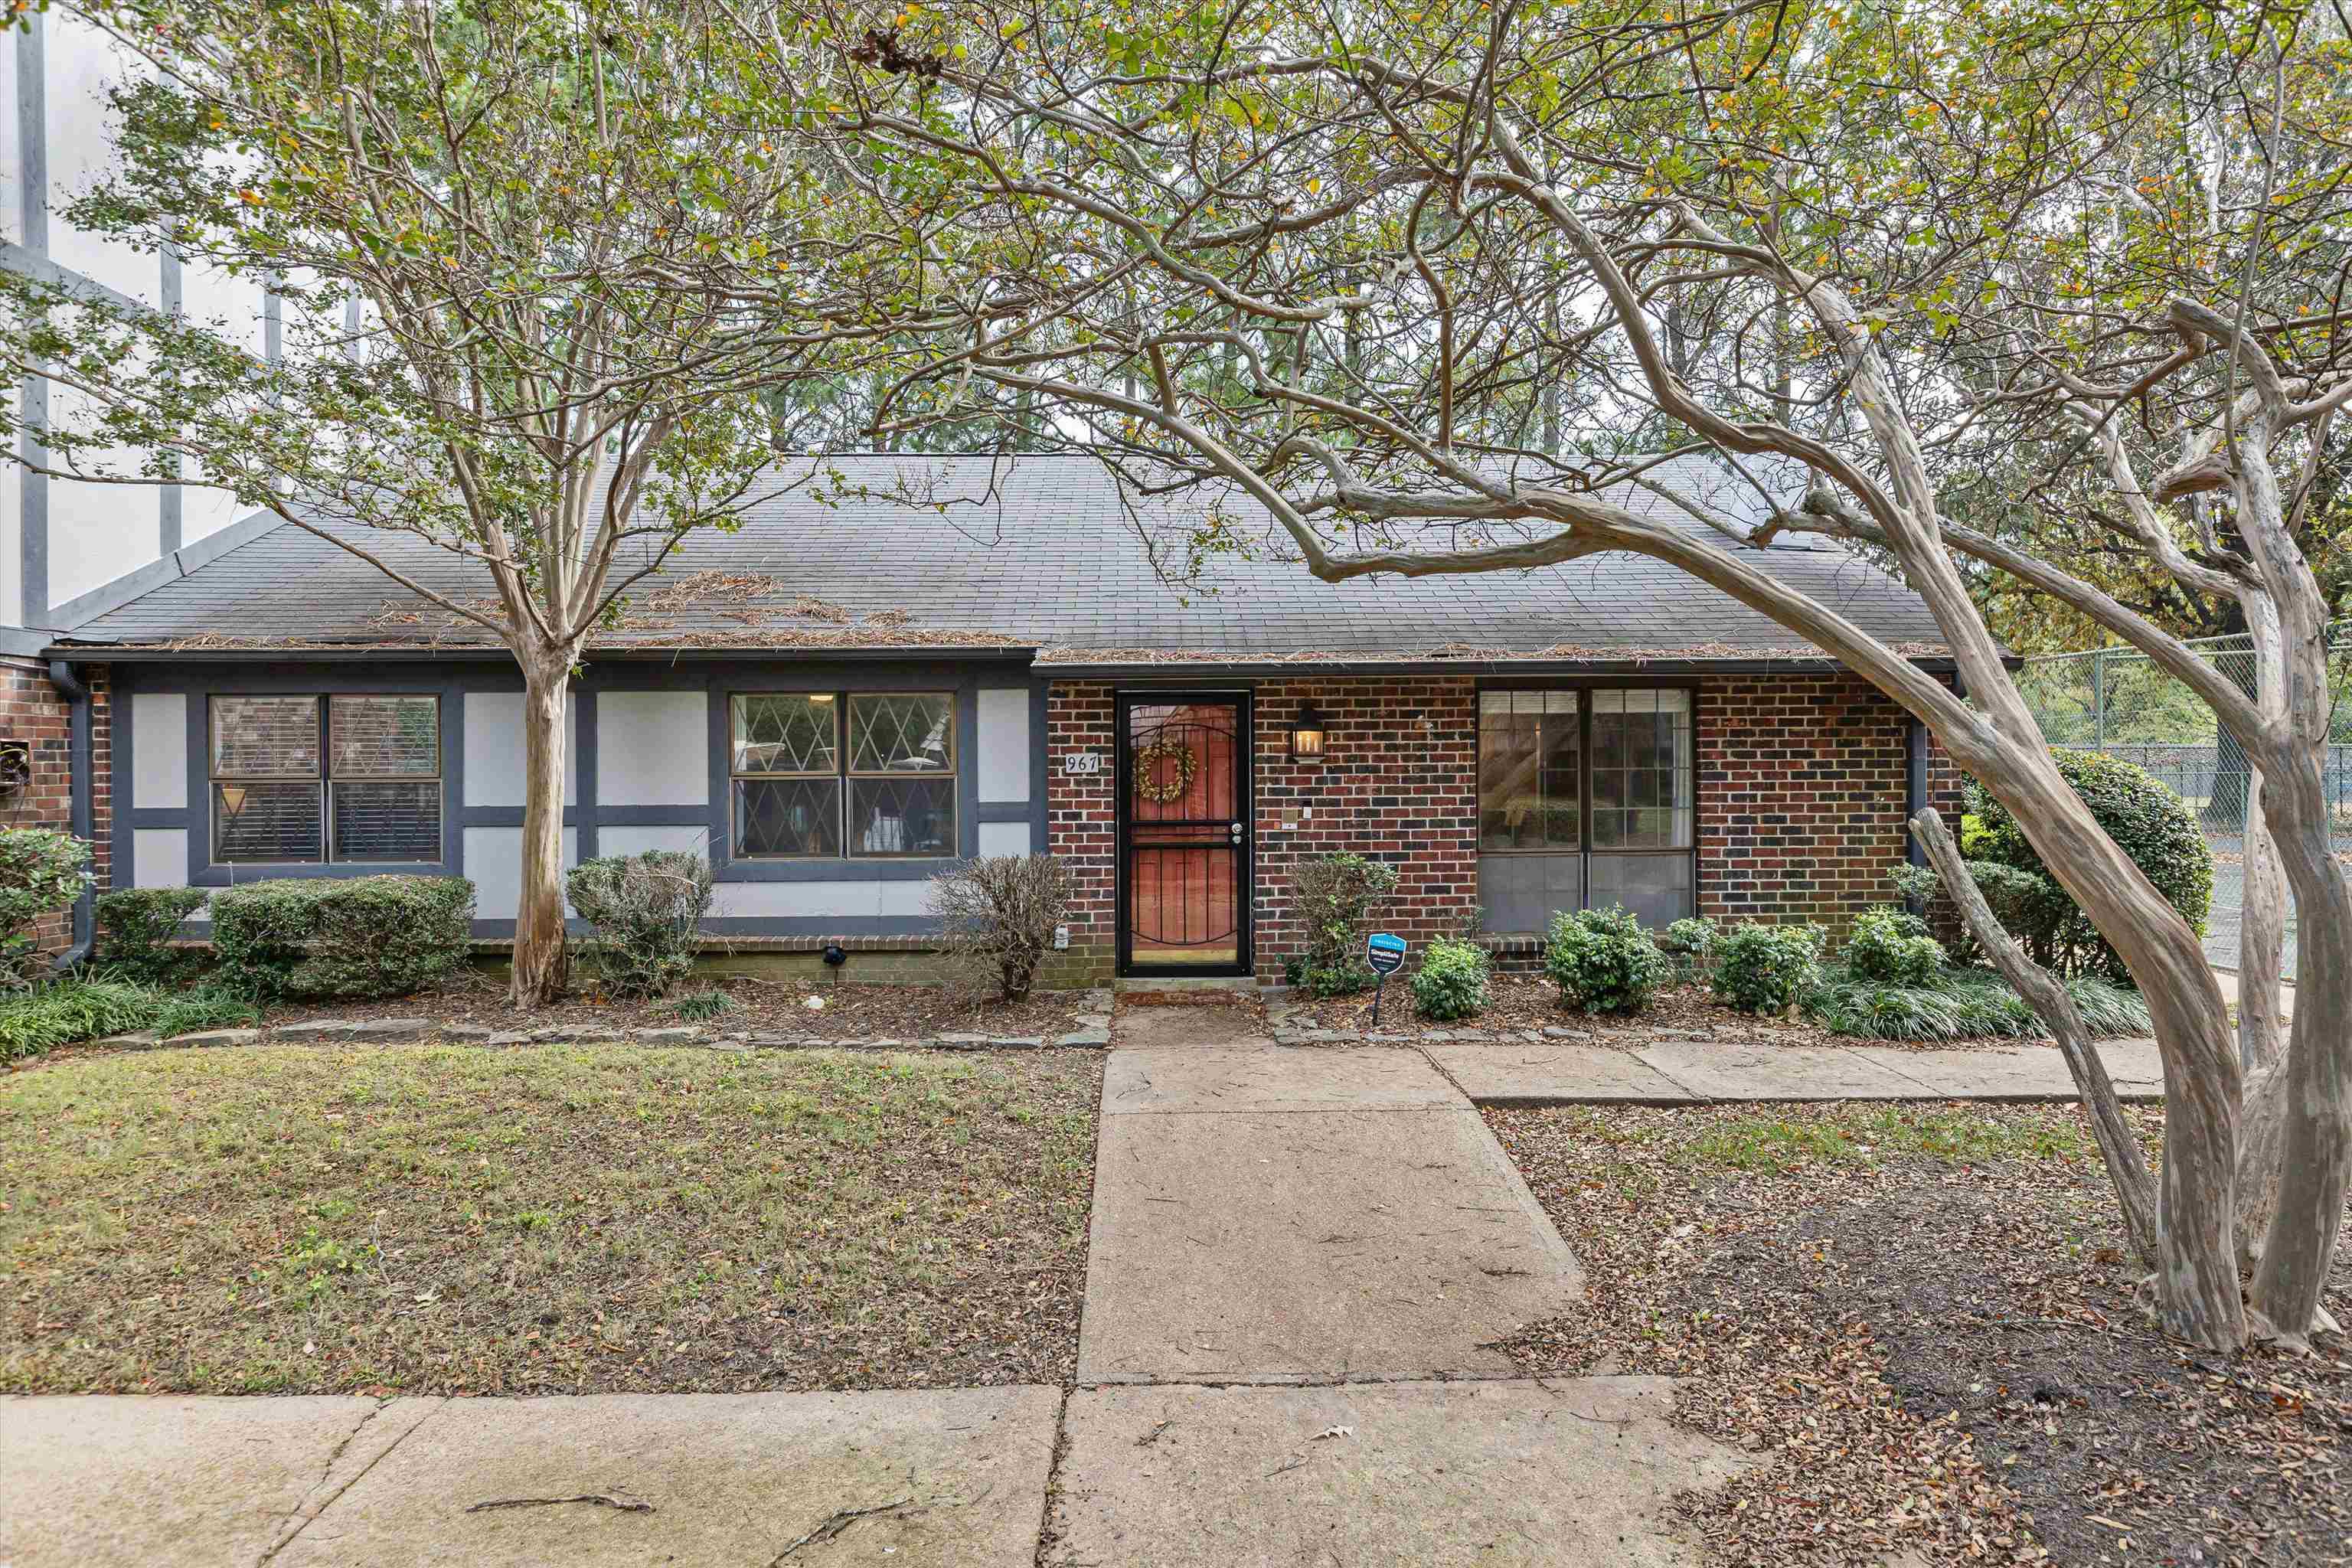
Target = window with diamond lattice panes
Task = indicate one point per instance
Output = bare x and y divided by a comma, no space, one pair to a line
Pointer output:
787,765
902,774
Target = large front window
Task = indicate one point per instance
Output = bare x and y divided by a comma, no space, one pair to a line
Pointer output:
1584,800
312,779
819,775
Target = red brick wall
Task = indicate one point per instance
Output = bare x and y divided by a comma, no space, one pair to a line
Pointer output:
1082,827
1398,781
32,711
1801,788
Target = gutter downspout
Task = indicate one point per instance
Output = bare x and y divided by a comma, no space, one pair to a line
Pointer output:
68,683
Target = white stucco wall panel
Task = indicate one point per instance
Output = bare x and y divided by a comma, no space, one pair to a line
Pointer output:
653,748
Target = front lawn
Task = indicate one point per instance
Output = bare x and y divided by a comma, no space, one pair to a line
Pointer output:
1921,1321
543,1220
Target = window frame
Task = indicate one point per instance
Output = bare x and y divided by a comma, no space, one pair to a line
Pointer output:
1584,689
844,773
324,776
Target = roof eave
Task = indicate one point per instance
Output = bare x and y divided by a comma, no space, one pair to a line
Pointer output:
159,653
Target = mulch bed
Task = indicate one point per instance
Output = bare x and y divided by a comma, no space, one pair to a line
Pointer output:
548,1219
850,1012
1922,1324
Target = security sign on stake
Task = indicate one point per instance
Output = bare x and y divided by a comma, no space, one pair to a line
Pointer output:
1384,951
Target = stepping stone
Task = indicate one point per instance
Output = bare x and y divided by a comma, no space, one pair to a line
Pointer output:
1087,1037
314,1031
390,1029
216,1037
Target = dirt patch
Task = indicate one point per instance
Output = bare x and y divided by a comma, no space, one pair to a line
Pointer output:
1925,1317
543,1220
761,1007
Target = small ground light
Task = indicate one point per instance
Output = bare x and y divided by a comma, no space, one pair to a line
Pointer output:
834,956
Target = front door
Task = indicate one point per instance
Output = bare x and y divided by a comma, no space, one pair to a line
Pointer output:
1183,834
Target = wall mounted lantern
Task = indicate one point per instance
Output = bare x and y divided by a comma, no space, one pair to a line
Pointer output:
1307,735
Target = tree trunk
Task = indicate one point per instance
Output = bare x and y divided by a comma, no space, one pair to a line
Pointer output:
543,960
2135,1188
2316,1100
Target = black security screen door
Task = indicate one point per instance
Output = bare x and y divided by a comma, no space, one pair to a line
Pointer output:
1184,823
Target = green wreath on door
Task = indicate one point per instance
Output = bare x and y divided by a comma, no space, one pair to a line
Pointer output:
1148,786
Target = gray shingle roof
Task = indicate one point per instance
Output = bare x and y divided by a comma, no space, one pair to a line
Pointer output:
1034,551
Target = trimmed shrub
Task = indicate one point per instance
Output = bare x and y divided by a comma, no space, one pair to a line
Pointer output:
41,871
1602,961
1452,980
996,917
64,1011
1688,943
1336,896
1766,968
359,938
136,926
645,913
1890,947
2147,819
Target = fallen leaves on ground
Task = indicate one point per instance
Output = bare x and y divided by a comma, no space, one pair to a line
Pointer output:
1921,1322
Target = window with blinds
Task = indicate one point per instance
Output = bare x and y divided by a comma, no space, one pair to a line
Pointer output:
312,779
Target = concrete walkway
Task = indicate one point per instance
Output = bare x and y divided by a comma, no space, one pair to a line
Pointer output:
1695,1070
1271,1215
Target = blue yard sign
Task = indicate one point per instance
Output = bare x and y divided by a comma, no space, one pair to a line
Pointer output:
1385,952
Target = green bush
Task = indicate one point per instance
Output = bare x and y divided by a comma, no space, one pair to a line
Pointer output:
1452,980
1602,961
1765,968
1336,896
1963,1004
41,871
2147,820
358,938
1891,947
1326,980
64,1011
136,926
645,914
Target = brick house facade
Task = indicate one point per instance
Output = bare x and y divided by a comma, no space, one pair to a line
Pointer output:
1804,782
35,713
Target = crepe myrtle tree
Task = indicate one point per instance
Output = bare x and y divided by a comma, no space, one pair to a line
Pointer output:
1372,271
554,296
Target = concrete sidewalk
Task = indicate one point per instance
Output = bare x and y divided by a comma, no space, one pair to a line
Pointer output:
1695,1070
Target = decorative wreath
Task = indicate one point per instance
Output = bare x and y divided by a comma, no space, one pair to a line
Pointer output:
1150,785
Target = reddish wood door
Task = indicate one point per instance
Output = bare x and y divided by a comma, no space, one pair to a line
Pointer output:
1183,788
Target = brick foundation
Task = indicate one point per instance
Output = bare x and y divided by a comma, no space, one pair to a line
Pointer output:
33,710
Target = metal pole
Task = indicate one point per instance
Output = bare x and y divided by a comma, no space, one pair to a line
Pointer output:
2099,700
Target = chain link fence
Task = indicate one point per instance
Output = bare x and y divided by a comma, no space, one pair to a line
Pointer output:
2119,701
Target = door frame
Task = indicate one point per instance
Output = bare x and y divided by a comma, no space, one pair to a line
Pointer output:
1244,858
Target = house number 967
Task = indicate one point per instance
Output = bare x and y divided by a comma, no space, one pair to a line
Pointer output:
1082,763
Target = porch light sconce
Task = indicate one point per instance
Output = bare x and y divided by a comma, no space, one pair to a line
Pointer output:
1307,735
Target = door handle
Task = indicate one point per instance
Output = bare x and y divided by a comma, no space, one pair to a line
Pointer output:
1237,833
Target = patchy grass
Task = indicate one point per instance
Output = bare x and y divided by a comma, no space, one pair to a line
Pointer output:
1922,1322
544,1220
